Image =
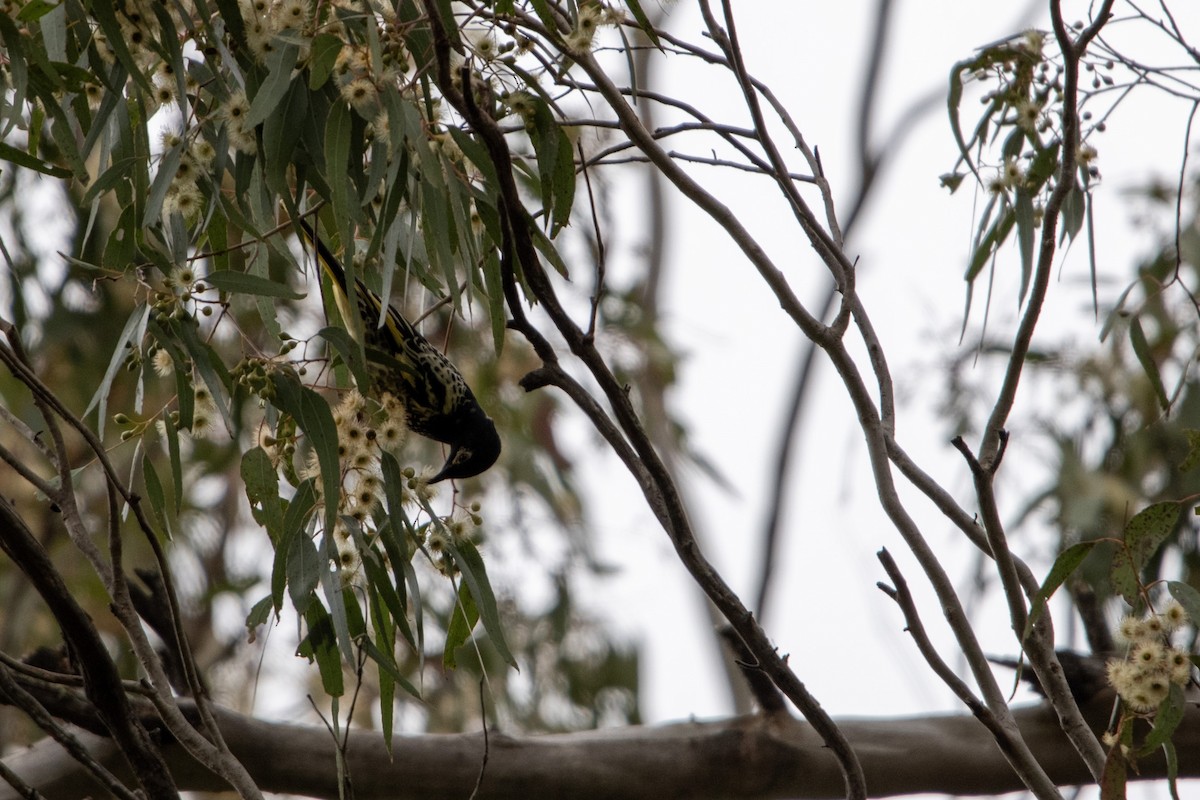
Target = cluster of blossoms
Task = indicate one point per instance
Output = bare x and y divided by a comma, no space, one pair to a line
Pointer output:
183,194
265,20
365,430
363,433
1143,678
1029,88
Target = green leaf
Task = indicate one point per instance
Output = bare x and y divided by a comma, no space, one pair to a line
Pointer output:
953,99
1188,597
1043,167
338,134
244,283
343,611
562,182
295,524
1148,529
106,17
643,21
324,52
401,566
155,494
351,352
1141,348
1072,214
1114,778
161,184
1066,563
387,684
951,180
35,9
381,583
1172,759
172,437
282,130
134,330
542,9
394,536
321,645
262,490
203,358
22,159
260,614
494,280
313,416
303,573
1023,209
1118,311
474,574
386,663
556,167
462,622
1166,720
1124,577
991,241
280,64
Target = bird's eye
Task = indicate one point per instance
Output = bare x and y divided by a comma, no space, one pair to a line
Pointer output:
463,455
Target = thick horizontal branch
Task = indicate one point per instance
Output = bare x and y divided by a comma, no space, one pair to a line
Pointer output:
747,757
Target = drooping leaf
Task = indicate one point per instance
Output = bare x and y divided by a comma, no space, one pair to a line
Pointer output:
474,575
313,416
1066,563
1026,232
245,283
1114,778
324,52
262,490
643,21
135,328
23,159
281,63
343,612
351,353
1124,577
991,241
1072,214
207,362
155,494
1148,529
462,622
295,526
1188,597
321,645
1166,720
1141,348
338,135
172,436
260,614
304,567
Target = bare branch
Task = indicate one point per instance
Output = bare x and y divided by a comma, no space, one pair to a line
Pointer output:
756,757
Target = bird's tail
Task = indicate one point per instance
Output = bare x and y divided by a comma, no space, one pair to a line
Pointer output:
371,308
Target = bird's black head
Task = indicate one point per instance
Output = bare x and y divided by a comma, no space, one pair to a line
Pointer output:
475,449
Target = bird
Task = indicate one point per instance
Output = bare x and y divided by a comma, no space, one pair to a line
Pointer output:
436,398
1085,673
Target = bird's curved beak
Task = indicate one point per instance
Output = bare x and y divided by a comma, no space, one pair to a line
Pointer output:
448,468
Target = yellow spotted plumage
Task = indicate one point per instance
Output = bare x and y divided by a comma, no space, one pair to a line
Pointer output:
439,403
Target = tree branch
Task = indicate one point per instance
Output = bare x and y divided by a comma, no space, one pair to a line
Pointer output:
744,757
